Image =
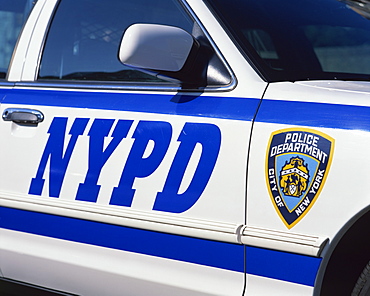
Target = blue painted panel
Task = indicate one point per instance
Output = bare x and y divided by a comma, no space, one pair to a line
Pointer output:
267,263
189,105
282,266
271,111
314,114
204,252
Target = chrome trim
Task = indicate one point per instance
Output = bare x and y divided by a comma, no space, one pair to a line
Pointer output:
119,86
27,116
6,84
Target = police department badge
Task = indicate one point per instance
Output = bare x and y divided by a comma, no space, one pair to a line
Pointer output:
298,162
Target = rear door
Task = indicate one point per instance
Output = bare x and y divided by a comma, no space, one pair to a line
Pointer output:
127,182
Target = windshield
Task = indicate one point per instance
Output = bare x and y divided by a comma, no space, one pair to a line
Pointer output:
290,40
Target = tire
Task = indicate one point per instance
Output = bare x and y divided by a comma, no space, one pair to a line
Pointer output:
362,287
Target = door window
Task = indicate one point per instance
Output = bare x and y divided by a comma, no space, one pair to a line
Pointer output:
13,15
84,37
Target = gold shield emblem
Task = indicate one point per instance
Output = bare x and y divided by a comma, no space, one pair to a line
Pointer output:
294,177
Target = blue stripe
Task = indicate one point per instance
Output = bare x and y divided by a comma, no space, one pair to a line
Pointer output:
267,263
199,251
282,266
271,111
189,105
315,114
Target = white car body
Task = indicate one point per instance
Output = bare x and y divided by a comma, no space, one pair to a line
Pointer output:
230,238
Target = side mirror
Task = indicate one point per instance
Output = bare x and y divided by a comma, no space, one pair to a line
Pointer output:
161,50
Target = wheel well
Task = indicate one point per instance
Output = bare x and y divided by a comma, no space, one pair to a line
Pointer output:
346,258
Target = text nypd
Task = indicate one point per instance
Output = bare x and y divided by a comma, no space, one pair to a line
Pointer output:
106,135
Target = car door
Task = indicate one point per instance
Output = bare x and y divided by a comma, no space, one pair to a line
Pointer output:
119,179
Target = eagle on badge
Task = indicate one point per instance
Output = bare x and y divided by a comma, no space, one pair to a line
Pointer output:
294,177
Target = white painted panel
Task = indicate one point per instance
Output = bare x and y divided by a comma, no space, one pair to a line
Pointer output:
90,270
261,286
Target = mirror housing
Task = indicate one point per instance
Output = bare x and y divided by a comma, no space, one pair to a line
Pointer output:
156,47
164,51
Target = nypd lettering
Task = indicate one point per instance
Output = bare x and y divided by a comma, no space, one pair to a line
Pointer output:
154,134
298,161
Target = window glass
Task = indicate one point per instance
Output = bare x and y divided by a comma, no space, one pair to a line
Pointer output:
340,49
264,46
84,37
13,15
290,40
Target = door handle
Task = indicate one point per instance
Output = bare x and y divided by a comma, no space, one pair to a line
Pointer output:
23,116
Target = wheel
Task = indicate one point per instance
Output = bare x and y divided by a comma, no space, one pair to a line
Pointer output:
362,287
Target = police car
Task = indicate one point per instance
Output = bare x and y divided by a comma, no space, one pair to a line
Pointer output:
184,147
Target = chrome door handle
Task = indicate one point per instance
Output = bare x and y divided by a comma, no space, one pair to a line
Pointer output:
22,115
